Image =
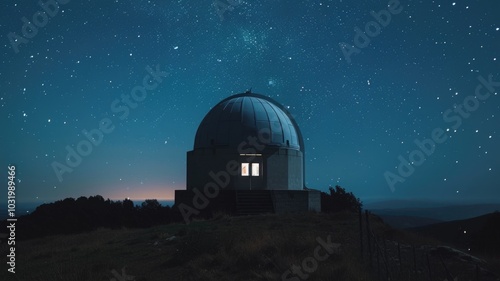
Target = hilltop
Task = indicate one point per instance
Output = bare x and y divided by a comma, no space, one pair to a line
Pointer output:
260,247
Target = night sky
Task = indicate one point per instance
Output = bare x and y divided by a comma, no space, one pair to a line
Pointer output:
409,82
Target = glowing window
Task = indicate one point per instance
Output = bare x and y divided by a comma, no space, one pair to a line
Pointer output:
244,169
255,169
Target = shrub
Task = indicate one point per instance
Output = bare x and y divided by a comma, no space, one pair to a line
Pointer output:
339,200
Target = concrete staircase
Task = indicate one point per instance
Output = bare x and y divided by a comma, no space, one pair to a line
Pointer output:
253,202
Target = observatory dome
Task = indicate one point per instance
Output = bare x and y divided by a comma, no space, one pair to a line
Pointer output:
238,117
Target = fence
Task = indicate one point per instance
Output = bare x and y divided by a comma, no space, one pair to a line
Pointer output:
392,260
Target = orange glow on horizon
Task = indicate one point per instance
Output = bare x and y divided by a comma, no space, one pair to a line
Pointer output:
142,193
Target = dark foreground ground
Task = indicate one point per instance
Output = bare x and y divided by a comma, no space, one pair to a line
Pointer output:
266,247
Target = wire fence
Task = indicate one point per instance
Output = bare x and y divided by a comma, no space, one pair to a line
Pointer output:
392,260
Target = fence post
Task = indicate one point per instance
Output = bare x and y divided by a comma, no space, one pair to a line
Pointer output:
368,233
478,271
361,230
399,259
386,261
378,258
414,259
429,266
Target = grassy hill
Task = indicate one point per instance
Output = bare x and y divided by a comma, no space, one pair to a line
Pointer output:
479,234
261,247
228,248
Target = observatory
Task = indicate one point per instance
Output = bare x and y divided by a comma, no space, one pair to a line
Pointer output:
248,158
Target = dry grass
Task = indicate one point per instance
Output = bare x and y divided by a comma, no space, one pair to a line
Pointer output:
225,248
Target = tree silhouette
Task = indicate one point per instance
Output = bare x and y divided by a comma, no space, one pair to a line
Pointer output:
86,214
151,204
339,200
128,205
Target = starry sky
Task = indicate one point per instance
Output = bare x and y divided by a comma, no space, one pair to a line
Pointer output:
361,104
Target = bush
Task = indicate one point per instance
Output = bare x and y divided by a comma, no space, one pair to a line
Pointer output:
339,200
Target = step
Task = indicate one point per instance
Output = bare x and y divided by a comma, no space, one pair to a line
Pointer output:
254,202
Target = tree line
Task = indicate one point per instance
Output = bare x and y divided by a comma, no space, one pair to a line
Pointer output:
83,214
